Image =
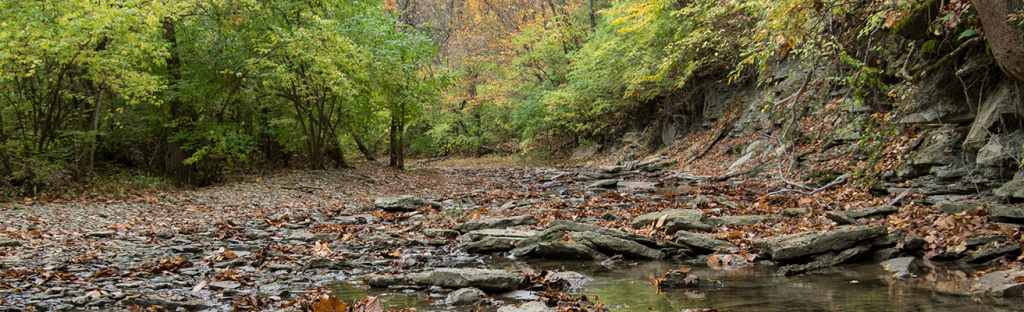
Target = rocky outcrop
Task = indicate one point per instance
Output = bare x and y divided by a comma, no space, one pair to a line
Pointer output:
785,247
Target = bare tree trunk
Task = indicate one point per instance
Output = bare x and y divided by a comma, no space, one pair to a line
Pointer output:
85,165
397,124
175,153
1005,37
593,20
367,154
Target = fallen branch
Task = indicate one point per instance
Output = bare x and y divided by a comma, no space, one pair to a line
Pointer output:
430,160
736,174
305,189
840,180
494,150
358,177
719,137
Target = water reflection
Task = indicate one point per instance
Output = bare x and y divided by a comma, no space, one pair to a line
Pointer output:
755,288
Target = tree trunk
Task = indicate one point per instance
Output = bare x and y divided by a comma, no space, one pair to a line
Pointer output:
1005,37
593,20
367,154
174,157
85,165
397,155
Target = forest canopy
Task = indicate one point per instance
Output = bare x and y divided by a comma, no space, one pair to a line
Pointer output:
193,89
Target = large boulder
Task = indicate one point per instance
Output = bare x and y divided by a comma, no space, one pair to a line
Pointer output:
495,223
404,203
612,245
900,267
689,214
784,247
496,280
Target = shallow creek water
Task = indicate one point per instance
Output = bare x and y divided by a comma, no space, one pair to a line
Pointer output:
864,287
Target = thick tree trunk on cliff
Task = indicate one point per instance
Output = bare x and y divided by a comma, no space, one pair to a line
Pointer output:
1005,37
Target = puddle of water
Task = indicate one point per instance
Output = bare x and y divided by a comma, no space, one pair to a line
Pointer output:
349,292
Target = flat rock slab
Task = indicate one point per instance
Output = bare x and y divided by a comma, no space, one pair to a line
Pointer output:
784,247
9,242
683,224
691,214
640,185
580,227
738,220
1001,213
561,250
501,233
532,306
404,203
986,254
1001,284
497,280
841,218
869,212
615,246
604,183
489,245
495,223
701,241
440,233
899,267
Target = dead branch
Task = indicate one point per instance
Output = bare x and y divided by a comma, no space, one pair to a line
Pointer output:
719,137
736,174
840,180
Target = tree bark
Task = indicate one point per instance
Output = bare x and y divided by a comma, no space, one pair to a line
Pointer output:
85,167
367,154
1005,37
397,124
174,156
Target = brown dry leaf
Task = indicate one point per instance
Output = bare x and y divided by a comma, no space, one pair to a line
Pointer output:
199,286
661,221
331,304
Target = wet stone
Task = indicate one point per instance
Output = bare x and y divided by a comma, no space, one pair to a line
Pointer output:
899,267
465,296
989,253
